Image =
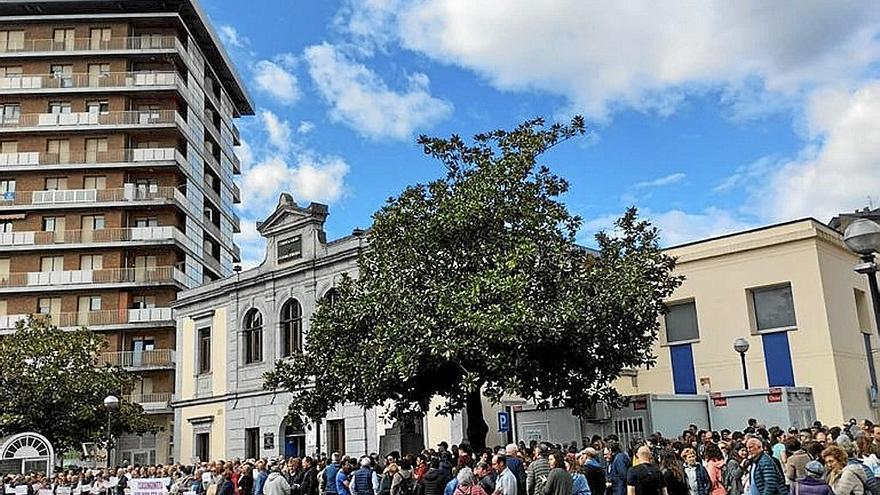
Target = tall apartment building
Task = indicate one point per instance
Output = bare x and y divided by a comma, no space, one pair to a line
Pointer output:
116,177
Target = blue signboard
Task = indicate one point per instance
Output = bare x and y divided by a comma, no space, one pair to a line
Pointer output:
503,421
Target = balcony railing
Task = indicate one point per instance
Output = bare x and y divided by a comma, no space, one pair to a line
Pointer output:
159,274
75,158
146,42
154,358
132,80
131,192
40,238
51,121
94,318
155,402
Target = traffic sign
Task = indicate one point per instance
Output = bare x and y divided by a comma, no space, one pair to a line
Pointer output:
503,421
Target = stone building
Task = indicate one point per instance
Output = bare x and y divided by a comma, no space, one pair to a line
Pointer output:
231,331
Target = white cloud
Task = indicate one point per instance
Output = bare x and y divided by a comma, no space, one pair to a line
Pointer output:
360,99
317,179
642,55
839,169
305,127
661,181
676,226
230,36
309,178
274,79
278,130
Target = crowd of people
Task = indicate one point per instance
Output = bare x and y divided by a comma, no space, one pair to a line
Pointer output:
755,461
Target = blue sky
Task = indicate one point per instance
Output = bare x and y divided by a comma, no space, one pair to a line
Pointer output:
710,117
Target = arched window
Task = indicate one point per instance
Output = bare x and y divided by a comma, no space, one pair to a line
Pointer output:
291,328
253,337
331,296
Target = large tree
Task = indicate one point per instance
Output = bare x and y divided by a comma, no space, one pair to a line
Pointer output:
473,284
51,383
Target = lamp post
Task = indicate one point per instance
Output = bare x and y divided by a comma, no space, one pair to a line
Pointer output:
741,346
111,403
862,237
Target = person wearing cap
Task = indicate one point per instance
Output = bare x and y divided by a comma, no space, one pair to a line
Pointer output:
536,473
813,483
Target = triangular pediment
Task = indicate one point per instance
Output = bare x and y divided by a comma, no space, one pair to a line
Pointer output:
288,215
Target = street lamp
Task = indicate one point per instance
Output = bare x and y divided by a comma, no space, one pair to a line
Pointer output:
111,402
741,346
862,236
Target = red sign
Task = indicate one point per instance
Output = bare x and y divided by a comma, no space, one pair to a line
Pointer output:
719,401
640,405
774,397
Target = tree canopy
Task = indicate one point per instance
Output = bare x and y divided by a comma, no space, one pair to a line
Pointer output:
51,383
474,283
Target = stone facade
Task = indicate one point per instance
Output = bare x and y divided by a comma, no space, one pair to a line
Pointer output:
228,399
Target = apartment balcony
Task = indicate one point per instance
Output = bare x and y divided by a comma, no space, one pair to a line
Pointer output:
141,157
99,320
212,263
236,135
129,194
93,279
236,193
154,359
48,46
236,253
236,164
154,403
84,82
90,121
71,239
212,194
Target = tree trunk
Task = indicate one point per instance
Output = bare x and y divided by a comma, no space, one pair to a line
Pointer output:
477,429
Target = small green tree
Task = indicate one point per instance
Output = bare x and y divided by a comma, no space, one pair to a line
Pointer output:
51,383
473,284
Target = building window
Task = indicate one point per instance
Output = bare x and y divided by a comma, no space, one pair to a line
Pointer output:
253,337
49,305
290,248
7,189
91,262
10,113
251,443
331,297
63,74
143,302
336,435
204,350
291,328
142,222
93,222
52,264
681,323
96,150
11,41
58,150
53,224
773,308
94,182
99,39
98,107
56,183
64,39
5,226
203,446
